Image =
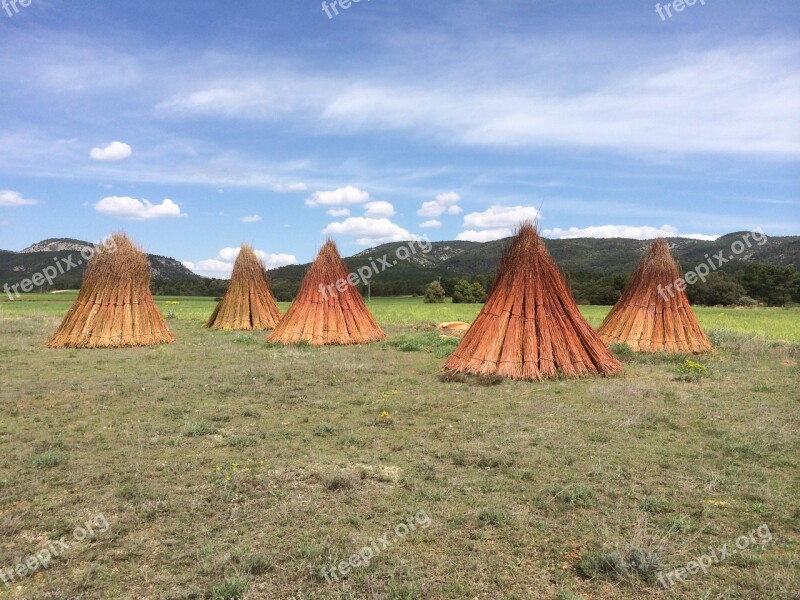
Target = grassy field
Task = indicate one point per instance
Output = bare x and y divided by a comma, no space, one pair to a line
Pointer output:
227,468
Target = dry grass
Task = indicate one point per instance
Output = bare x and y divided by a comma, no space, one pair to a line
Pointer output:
229,467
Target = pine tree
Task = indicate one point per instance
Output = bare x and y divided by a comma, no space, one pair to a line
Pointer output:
434,294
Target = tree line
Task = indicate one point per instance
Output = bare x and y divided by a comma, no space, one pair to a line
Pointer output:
751,284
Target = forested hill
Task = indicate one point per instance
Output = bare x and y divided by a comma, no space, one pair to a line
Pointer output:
584,259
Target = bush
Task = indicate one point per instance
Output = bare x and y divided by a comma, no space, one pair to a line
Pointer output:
478,293
690,370
434,294
468,293
636,562
200,428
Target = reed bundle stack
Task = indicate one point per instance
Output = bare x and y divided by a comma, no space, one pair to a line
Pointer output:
328,309
653,314
530,328
114,308
248,304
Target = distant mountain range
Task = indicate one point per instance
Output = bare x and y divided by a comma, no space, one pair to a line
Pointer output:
16,266
445,259
600,256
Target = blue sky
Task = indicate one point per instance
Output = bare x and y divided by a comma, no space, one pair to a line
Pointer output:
197,126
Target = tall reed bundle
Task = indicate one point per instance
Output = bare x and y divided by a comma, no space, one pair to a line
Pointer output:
114,307
322,315
652,315
248,303
530,328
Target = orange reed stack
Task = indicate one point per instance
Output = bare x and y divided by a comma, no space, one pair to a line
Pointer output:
322,315
652,315
248,303
530,328
114,308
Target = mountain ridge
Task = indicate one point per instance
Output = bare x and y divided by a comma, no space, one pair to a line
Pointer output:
17,266
446,259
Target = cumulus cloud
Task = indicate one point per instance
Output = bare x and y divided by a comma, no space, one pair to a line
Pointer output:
498,216
221,266
495,223
114,151
11,198
251,219
379,209
485,235
125,207
369,231
432,224
443,203
339,212
341,197
644,232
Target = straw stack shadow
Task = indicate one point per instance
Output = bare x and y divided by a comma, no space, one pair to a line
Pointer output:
530,328
327,318
648,317
248,304
114,308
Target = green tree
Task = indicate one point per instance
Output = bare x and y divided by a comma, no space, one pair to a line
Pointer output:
771,284
478,292
464,292
718,289
434,294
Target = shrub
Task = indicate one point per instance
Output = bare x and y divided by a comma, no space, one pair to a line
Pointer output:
48,460
434,294
200,428
622,351
492,516
230,589
636,563
690,370
464,293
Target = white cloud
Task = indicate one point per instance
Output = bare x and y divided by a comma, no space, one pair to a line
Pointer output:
251,219
443,203
298,186
379,209
221,266
125,207
370,231
273,261
339,212
498,216
741,96
432,224
486,235
340,197
12,198
495,223
114,151
644,232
